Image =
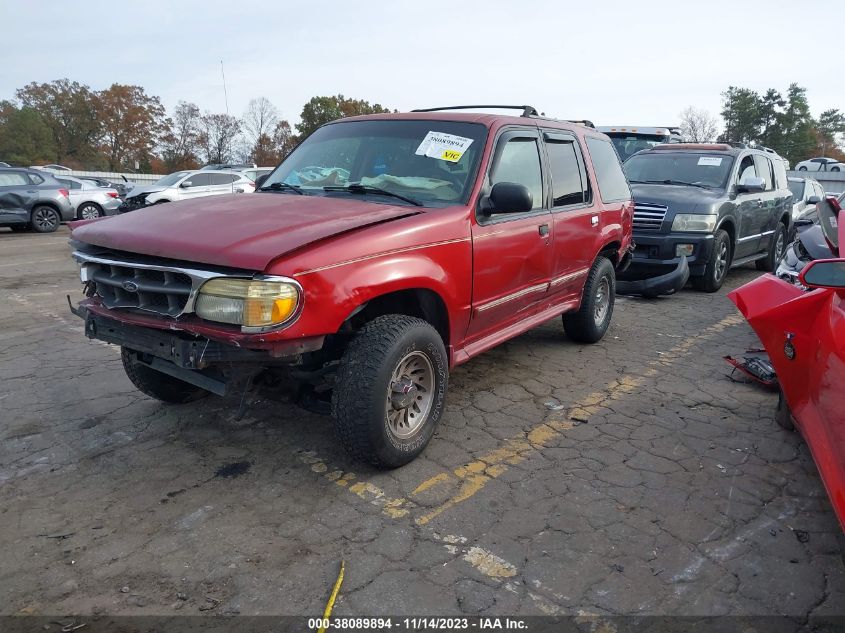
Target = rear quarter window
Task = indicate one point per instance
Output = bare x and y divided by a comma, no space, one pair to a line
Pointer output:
613,186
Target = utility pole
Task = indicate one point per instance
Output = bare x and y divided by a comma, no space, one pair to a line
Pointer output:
225,93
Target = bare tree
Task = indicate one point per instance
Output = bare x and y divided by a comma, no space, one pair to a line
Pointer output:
217,136
699,126
259,119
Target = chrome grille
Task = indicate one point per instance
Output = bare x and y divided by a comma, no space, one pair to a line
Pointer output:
649,217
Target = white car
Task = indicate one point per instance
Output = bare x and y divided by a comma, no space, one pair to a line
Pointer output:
820,164
89,200
806,194
53,168
186,185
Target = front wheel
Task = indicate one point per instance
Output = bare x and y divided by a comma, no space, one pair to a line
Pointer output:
156,384
770,262
717,266
390,390
590,322
45,219
802,168
834,169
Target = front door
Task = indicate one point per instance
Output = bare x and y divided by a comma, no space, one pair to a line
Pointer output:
748,210
512,252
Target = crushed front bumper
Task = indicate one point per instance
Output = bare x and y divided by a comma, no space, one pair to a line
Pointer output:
665,284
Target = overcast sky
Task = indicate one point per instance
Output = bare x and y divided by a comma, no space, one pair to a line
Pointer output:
614,62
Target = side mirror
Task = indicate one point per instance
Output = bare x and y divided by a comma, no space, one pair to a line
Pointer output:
185,184
752,184
813,200
510,197
261,180
824,273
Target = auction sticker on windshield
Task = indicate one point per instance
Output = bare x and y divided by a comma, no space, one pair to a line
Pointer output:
443,146
714,161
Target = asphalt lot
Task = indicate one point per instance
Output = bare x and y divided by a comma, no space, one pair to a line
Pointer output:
632,476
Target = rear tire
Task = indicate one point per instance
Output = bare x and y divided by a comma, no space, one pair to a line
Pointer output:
44,219
783,416
777,248
157,385
590,322
717,266
390,390
89,211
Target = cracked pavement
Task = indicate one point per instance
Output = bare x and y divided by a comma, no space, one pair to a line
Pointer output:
629,477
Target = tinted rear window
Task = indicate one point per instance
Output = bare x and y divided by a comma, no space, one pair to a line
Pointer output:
611,179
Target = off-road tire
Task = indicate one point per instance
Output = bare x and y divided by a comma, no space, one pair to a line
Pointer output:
44,219
777,248
710,281
156,384
783,416
360,404
587,325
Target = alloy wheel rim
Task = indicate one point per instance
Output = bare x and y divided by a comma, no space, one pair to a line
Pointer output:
410,394
45,218
602,303
779,247
89,212
721,262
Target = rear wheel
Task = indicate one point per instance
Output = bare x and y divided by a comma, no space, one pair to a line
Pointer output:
390,390
89,211
590,322
157,385
717,266
44,219
776,249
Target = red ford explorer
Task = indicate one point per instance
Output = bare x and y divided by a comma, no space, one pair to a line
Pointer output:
382,252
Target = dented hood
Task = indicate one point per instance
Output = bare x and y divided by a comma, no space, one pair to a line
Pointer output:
241,231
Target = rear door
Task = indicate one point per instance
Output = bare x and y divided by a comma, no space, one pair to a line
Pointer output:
74,190
575,215
771,202
512,252
222,183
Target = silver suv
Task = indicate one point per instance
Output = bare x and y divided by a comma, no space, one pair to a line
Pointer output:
32,199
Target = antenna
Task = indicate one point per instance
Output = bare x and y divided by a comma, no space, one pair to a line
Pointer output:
225,94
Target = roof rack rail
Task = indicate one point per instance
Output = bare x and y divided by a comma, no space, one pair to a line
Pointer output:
527,110
584,122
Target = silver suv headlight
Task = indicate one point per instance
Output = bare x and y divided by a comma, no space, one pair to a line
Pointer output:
255,304
694,222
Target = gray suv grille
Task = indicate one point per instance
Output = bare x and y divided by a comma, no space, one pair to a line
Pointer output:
159,291
649,217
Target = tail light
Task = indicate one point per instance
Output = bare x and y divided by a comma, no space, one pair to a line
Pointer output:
64,192
111,194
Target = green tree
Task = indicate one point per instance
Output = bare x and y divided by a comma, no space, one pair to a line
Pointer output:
180,144
829,124
132,122
321,110
796,126
67,108
741,114
771,105
24,137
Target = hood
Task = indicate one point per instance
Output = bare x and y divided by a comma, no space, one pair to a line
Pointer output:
138,189
683,198
240,231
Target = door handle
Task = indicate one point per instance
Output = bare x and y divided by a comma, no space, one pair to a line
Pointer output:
544,230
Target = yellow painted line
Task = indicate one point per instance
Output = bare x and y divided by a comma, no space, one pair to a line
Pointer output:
474,476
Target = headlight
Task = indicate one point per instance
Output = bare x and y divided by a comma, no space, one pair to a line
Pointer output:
694,222
251,303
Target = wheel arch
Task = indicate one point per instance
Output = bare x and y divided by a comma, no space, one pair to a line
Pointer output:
611,251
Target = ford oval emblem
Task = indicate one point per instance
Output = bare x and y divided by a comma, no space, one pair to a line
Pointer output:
130,286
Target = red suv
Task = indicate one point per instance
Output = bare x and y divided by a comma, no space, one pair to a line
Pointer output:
385,250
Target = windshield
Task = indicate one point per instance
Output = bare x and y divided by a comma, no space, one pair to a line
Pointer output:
171,179
797,189
431,162
629,144
696,169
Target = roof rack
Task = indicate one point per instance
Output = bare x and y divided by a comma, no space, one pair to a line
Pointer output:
527,110
584,122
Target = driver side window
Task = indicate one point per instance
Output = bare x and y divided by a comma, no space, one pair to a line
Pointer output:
746,170
520,163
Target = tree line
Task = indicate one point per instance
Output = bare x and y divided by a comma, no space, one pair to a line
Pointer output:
68,123
781,121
